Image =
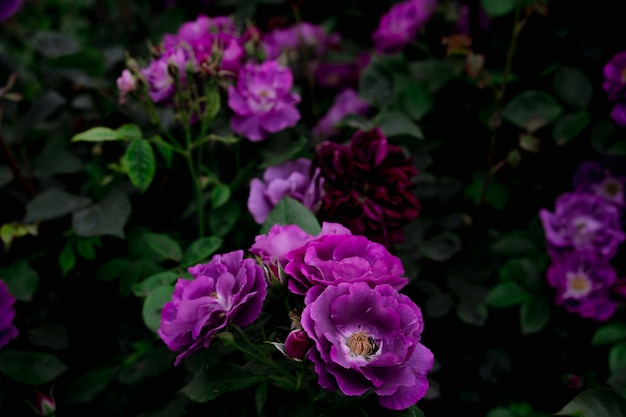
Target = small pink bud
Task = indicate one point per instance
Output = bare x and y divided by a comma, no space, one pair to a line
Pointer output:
297,344
45,405
126,82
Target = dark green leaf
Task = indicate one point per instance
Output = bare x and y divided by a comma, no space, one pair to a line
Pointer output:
53,203
609,333
617,357
21,279
497,195
67,258
573,87
513,245
290,211
220,195
153,305
32,368
164,245
54,160
208,384
595,402
435,73
570,127
153,282
86,248
223,218
139,163
164,149
376,84
495,8
113,269
107,217
260,396
40,110
415,100
6,176
500,412
506,294
532,107
472,313
53,336
200,250
441,247
438,305
534,315
395,124
93,382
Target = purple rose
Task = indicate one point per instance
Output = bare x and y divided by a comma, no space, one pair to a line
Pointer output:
368,339
335,258
346,102
281,239
261,100
615,76
293,179
297,344
592,177
399,26
8,331
294,37
582,222
618,114
8,8
228,289
161,84
584,283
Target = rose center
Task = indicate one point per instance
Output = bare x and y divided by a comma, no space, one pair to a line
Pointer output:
611,188
578,285
361,344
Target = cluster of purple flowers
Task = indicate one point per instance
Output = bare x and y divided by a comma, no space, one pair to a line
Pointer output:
360,333
615,86
365,184
583,234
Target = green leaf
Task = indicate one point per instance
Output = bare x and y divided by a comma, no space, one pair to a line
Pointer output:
573,87
472,313
290,211
395,124
220,195
209,383
21,279
67,258
107,217
151,283
139,163
260,397
617,357
609,333
513,245
506,294
534,315
200,250
87,386
153,305
164,149
441,247
98,134
130,132
595,402
164,245
570,126
495,8
52,335
223,218
42,108
415,100
53,203
376,84
497,194
54,160
86,247
32,368
113,269
532,108
52,44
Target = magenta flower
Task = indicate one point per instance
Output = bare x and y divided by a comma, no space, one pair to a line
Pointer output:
335,258
8,330
399,26
582,222
346,102
261,100
161,83
295,179
615,76
584,283
298,36
618,114
228,289
368,340
592,177
8,8
368,186
297,344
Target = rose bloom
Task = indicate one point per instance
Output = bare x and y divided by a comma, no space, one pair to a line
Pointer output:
291,39
345,103
297,344
592,177
261,100
295,179
615,76
161,84
368,340
281,239
618,114
584,284
228,289
368,186
398,27
8,8
335,258
8,330
582,222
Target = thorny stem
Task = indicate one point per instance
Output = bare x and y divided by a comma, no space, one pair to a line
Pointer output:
499,96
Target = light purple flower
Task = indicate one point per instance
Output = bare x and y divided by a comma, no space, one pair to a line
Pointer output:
227,289
583,283
161,83
294,37
582,222
281,239
346,102
368,340
592,177
8,8
261,100
335,258
615,76
398,27
8,330
293,179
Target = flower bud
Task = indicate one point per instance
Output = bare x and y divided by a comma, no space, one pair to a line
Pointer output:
297,344
44,405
